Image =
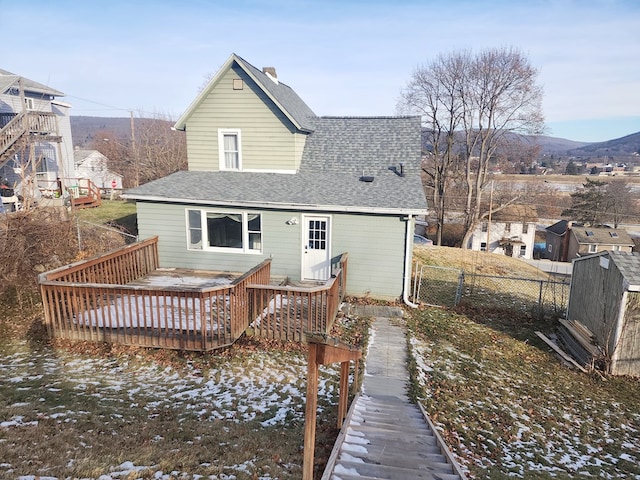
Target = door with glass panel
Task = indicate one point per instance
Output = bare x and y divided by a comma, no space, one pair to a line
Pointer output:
316,255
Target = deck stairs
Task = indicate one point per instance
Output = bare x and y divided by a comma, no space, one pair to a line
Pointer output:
85,195
385,436
26,126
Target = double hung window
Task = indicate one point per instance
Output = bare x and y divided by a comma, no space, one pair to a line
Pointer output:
224,231
229,149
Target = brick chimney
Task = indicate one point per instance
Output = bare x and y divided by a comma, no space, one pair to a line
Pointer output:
271,73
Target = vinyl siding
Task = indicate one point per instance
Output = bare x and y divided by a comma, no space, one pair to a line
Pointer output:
375,245
376,253
269,139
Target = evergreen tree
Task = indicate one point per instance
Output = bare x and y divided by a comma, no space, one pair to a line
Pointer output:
589,204
572,168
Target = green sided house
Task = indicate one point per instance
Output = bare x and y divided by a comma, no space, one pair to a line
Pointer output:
268,179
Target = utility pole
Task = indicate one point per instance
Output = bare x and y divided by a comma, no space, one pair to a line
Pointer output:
136,160
489,222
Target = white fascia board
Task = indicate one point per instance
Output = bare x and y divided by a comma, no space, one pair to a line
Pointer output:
281,206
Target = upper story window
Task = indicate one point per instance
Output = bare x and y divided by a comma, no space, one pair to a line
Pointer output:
525,227
224,231
229,149
29,103
593,248
507,227
485,226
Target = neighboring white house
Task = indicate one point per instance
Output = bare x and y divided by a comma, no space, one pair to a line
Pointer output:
511,232
92,165
36,144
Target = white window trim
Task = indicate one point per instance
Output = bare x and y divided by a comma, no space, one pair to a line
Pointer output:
593,248
221,158
205,233
29,103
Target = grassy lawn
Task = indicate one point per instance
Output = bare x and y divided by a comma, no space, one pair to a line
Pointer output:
505,403
92,411
113,213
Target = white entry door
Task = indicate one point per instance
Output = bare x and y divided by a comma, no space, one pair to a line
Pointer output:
316,255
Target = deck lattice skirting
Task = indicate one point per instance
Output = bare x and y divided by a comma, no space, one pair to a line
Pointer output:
98,300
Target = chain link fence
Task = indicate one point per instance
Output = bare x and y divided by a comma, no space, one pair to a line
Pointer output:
449,287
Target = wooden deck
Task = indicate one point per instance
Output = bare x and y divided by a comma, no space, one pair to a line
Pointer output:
125,297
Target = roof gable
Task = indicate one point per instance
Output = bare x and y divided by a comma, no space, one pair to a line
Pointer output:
8,79
283,96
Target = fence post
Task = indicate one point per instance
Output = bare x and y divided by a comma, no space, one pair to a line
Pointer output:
459,289
540,306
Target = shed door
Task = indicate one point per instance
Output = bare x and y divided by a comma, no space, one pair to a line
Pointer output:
316,256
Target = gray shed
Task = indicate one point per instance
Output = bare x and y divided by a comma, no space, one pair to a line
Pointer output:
605,297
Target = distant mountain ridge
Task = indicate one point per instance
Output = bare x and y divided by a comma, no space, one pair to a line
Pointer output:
627,145
84,128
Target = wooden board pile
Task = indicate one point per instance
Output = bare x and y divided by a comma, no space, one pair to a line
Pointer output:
580,342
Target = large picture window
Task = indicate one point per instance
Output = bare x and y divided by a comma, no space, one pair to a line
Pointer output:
229,149
224,231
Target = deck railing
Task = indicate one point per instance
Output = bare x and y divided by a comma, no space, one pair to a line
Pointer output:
98,299
288,312
118,267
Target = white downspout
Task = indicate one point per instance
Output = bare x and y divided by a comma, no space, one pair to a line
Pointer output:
408,255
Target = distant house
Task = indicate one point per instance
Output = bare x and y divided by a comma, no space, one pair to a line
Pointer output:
36,148
268,179
511,232
93,165
568,240
605,298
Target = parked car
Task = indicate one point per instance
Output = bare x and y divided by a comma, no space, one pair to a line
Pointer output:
420,240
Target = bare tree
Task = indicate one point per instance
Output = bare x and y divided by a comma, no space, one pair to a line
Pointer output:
153,150
471,105
433,92
622,202
501,98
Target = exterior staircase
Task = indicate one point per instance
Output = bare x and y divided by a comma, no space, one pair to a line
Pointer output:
385,436
388,438
24,126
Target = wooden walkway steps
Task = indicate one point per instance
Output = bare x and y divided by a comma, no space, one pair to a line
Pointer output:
385,436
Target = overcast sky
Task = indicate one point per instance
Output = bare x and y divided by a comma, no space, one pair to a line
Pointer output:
343,57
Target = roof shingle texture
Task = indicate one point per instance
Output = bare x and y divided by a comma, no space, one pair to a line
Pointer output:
601,236
337,154
629,265
284,95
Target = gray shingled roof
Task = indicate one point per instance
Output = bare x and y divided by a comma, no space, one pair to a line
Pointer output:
29,85
601,236
629,265
335,157
284,95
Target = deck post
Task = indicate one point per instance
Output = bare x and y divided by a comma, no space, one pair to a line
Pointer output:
310,414
344,393
324,349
